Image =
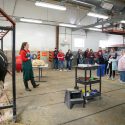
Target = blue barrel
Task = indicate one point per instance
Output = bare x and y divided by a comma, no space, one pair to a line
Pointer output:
102,66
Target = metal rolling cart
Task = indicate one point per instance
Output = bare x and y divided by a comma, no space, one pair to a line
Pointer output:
3,31
87,81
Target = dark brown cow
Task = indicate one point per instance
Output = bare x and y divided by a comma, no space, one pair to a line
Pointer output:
3,65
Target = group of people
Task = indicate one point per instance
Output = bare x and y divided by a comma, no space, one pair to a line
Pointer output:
87,57
109,58
59,57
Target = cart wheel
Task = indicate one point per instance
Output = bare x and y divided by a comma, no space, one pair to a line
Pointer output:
76,87
83,105
71,105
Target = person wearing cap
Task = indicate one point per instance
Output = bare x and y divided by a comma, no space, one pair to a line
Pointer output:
55,59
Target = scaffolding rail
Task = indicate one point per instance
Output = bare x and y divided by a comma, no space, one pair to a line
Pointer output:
3,32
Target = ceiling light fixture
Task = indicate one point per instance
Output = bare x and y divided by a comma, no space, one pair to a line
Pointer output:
123,21
98,26
95,29
67,25
78,1
49,5
30,20
97,15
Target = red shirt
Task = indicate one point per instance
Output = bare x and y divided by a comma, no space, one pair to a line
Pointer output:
88,54
23,54
60,56
99,53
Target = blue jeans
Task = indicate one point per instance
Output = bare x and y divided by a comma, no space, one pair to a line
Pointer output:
61,64
122,76
55,62
69,64
91,61
86,60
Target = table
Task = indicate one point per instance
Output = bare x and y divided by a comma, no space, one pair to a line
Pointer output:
40,68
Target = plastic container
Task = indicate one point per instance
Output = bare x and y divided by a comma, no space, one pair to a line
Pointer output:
18,63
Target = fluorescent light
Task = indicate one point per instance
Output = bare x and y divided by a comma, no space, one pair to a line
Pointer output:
123,21
49,5
67,25
97,15
95,29
98,26
30,20
78,1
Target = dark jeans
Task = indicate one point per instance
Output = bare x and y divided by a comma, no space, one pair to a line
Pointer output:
106,69
91,60
112,72
61,64
55,62
86,60
77,61
69,64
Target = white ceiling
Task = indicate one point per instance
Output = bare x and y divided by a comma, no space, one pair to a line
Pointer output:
27,8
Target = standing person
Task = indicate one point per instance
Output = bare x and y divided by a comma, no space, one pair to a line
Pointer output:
91,57
112,63
78,54
100,52
55,59
86,54
61,57
121,67
69,58
27,66
99,56
106,57
81,57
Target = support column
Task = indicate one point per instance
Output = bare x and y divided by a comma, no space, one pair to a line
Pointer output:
13,73
57,37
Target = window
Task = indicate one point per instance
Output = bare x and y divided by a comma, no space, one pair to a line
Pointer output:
103,43
79,42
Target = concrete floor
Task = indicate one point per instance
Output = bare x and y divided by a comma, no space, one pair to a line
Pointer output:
45,105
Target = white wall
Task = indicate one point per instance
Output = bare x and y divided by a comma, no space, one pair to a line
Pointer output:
65,37
40,37
43,37
114,39
90,39
93,38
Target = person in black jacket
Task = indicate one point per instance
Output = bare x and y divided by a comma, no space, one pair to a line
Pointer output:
78,54
55,59
69,58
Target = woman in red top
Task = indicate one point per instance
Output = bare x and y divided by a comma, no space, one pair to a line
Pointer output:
61,57
27,66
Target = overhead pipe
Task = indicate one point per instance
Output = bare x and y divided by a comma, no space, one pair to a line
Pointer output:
117,4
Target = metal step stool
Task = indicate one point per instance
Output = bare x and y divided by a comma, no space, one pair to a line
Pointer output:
73,96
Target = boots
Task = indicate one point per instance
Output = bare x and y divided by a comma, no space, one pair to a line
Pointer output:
26,86
34,83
